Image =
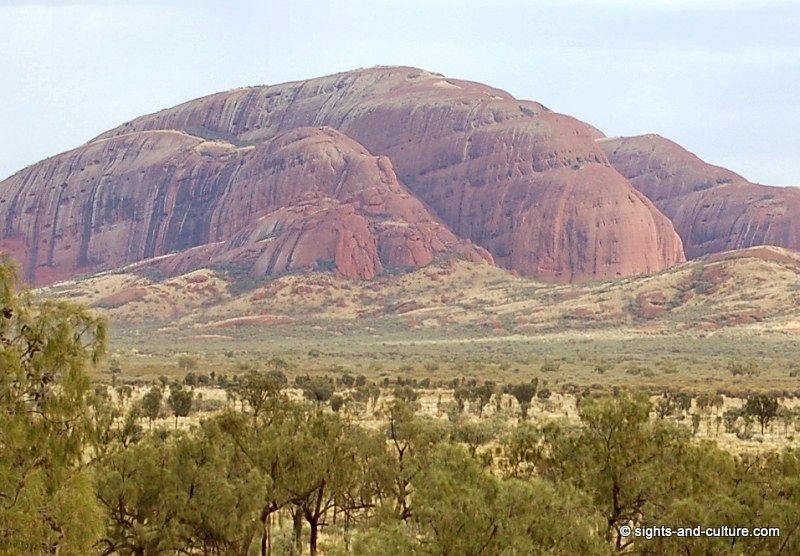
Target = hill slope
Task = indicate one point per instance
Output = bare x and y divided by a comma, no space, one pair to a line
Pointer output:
713,209
301,200
379,170
752,288
530,186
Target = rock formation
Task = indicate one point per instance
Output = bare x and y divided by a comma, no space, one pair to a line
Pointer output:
359,172
713,209
529,185
306,199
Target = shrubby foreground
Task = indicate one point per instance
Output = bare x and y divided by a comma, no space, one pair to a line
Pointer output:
281,476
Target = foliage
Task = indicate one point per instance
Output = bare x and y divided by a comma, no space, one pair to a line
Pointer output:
524,393
180,401
46,499
629,464
744,368
260,391
763,407
151,404
187,363
318,389
78,475
673,403
182,493
461,509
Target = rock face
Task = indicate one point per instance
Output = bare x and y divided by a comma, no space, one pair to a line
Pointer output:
529,185
305,199
314,174
713,209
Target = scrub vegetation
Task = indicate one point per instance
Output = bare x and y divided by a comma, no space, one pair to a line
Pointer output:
294,454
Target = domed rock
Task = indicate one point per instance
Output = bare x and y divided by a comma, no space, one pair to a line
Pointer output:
713,209
303,200
531,186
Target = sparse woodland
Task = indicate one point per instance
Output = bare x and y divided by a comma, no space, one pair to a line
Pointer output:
351,467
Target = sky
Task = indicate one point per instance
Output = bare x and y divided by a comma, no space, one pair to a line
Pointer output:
720,77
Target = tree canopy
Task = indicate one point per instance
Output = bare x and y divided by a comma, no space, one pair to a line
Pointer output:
47,502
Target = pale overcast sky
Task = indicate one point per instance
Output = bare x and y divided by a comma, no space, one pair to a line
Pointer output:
719,77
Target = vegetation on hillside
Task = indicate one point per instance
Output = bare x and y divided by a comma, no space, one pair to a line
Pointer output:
276,473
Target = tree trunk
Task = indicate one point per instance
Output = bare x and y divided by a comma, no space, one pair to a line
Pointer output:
265,537
312,543
269,535
266,528
314,519
297,522
347,532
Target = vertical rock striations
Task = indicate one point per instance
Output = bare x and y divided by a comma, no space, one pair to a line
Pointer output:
306,199
713,209
529,185
313,174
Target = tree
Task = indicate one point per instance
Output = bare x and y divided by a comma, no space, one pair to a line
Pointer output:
544,394
787,417
114,366
523,450
633,467
476,433
187,363
279,377
748,368
318,389
524,393
46,500
461,509
133,485
124,392
103,424
461,394
672,403
550,367
695,423
151,404
405,393
374,392
269,445
325,474
763,407
181,494
180,401
483,395
411,440
260,391
337,402
312,463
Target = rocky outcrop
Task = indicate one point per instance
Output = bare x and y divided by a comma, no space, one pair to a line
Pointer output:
531,186
306,199
713,209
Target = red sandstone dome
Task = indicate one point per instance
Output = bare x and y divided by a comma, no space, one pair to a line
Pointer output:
359,172
713,209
